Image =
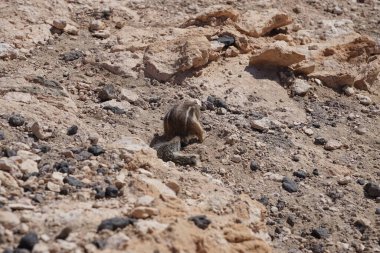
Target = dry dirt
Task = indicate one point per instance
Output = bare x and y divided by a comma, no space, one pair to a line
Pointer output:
116,77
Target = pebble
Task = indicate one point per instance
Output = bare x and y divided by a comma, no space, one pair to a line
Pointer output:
28,166
317,248
145,200
254,165
291,220
143,212
320,233
221,111
262,125
129,95
115,223
65,232
59,24
344,180
289,185
16,120
372,190
236,158
201,221
111,192
28,241
300,87
217,102
96,150
108,92
264,200
9,220
308,131
73,182
97,25
348,90
320,141
361,130
72,55
377,211
2,135
332,145
300,174
174,186
72,130
72,30
63,167
364,100
53,187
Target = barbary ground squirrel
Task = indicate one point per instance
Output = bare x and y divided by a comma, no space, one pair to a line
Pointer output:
181,124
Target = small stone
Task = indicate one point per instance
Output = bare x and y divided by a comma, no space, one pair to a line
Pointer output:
129,95
300,174
59,24
63,167
332,145
296,158
361,130
264,200
300,87
96,150
344,180
201,221
315,172
115,223
348,90
263,124
72,130
111,192
254,166
320,141
149,226
53,187
361,181
16,120
377,211
145,201
362,224
174,186
72,30
217,102
221,111
291,220
372,190
64,233
317,248
97,25
72,55
308,131
108,92
28,166
73,182
9,220
289,185
364,100
143,212
236,158
320,233
28,241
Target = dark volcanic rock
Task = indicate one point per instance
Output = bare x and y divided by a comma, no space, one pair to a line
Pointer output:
320,141
96,150
111,192
254,166
300,174
63,167
320,233
72,55
115,223
2,135
217,102
64,233
72,130
289,185
28,241
73,182
200,221
108,92
16,120
317,248
372,190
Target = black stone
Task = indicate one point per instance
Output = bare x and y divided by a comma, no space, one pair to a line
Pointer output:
300,174
72,55
96,150
315,172
38,197
372,190
101,171
289,185
317,248
64,233
16,120
108,92
296,158
72,130
280,204
44,148
320,233
334,194
264,200
316,125
291,220
201,221
377,211
100,194
65,190
217,102
254,166
226,40
361,181
359,225
10,152
28,241
73,182
84,155
2,135
111,192
320,141
63,167
115,223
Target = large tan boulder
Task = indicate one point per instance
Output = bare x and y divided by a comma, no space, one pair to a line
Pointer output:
259,23
279,54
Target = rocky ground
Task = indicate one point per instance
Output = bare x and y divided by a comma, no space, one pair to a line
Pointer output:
290,104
